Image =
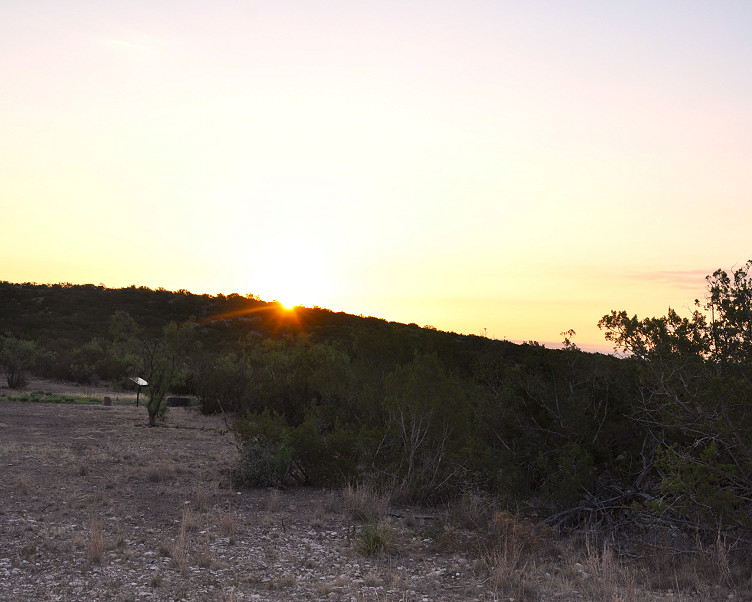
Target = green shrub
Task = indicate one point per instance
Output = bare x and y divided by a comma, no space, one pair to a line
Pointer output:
17,357
312,453
375,538
262,464
568,474
327,455
697,484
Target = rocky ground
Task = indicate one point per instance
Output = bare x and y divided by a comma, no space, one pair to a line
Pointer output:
97,506
94,505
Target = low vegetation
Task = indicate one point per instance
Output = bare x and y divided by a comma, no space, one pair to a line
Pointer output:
46,397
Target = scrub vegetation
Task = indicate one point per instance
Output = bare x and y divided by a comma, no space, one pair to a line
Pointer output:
640,454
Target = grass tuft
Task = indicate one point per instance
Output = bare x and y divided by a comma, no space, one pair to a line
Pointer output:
160,472
96,540
375,538
179,554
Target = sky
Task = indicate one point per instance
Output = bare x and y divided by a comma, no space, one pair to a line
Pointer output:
508,168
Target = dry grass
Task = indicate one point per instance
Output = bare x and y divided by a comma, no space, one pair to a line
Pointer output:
96,540
371,579
323,589
512,552
200,500
190,521
364,503
159,472
203,554
272,504
179,553
227,525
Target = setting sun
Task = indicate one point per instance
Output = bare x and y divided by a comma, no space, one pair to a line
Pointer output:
294,275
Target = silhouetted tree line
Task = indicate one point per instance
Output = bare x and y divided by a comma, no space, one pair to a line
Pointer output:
661,434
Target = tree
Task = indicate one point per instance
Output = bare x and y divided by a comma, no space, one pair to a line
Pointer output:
695,382
17,356
159,358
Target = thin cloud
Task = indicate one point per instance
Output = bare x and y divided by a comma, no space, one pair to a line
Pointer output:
683,279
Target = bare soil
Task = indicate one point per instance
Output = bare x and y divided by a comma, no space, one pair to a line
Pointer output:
95,505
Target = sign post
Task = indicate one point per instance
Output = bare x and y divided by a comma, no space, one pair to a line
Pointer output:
141,383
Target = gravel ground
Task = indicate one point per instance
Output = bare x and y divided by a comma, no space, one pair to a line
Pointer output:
95,505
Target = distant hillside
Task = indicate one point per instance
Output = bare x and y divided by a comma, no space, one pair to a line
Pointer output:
53,314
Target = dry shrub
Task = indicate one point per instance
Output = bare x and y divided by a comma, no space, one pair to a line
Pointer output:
364,503
473,511
96,540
